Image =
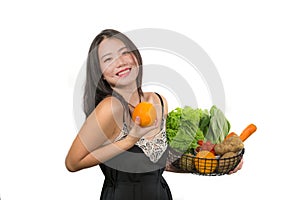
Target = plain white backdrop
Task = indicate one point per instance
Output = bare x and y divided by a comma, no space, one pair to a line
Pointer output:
255,46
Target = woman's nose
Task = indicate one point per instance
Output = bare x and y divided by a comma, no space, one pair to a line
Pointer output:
120,61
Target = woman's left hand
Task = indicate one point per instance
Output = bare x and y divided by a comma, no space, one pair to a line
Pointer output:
238,167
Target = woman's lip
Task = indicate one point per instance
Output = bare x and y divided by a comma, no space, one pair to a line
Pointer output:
123,72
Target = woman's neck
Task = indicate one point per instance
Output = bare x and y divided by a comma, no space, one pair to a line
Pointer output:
130,94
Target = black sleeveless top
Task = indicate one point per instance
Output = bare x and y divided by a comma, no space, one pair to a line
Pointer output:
132,176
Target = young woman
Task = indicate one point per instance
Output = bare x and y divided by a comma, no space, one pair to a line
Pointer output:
132,158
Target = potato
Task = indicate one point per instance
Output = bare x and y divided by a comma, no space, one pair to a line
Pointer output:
232,144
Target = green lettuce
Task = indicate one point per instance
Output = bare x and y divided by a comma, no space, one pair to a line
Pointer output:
186,126
182,127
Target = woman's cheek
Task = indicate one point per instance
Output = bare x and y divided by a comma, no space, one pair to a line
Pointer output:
107,69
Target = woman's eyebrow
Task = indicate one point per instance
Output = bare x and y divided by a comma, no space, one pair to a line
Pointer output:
107,54
122,48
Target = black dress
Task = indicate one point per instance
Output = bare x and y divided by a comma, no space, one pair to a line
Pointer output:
133,176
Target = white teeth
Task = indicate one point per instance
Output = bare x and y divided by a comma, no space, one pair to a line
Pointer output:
123,72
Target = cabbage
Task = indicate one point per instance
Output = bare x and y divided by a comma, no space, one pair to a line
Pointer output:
186,126
219,126
182,127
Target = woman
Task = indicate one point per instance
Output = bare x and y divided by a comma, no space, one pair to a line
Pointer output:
132,158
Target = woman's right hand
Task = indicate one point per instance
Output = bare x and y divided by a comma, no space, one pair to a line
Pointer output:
138,132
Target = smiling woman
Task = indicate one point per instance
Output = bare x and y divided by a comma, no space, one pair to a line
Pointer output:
132,157
117,63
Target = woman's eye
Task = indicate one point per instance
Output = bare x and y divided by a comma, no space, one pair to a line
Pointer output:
125,52
107,59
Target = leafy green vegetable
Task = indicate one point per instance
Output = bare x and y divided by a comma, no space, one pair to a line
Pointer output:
186,122
183,130
194,144
204,121
219,126
185,126
173,122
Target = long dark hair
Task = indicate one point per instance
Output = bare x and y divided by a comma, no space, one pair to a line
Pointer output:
96,88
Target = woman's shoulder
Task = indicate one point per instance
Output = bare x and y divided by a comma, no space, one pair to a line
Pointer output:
109,104
109,108
153,96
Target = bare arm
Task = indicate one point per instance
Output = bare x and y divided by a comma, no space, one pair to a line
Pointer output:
79,157
101,126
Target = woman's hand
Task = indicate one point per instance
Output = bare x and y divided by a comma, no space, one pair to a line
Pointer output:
137,131
238,167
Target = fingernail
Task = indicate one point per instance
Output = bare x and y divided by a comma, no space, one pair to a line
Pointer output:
137,118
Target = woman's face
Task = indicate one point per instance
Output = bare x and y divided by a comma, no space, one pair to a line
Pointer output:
118,65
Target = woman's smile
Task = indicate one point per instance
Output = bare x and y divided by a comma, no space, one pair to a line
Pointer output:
124,72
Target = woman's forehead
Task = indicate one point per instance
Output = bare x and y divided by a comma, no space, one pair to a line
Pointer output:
110,45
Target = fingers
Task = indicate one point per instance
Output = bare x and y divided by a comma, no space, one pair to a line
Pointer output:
238,167
139,131
137,121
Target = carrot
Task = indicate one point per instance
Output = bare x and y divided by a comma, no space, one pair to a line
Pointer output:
230,134
251,128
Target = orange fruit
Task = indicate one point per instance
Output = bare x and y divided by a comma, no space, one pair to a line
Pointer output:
147,113
205,162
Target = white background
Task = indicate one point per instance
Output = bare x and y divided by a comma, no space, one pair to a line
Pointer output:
254,44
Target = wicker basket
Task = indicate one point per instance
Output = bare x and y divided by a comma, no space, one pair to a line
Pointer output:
204,166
